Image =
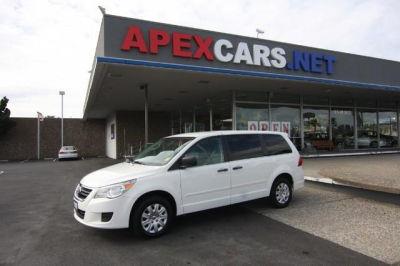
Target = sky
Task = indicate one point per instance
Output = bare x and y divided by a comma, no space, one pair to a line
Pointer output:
48,46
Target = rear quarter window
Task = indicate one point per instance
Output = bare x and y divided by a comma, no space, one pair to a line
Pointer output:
275,144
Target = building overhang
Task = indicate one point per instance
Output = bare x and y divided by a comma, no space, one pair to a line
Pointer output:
176,82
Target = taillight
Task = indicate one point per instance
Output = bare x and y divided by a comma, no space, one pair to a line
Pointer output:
300,163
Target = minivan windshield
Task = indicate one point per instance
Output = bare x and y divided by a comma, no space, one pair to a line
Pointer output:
162,151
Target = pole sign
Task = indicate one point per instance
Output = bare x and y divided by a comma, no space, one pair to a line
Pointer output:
198,47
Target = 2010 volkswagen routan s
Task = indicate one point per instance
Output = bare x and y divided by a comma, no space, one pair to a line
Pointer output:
187,173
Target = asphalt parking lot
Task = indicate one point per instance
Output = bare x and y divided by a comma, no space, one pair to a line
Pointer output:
37,227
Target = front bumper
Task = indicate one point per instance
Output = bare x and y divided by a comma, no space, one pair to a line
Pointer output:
94,208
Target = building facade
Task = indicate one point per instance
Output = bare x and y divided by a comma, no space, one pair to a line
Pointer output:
151,80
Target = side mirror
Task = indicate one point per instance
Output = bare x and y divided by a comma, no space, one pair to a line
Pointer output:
188,161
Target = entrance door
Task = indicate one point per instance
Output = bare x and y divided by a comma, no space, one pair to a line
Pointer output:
206,185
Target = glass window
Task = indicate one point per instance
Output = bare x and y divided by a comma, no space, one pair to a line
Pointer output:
244,146
207,151
275,144
342,121
367,129
251,116
316,122
388,129
288,118
162,151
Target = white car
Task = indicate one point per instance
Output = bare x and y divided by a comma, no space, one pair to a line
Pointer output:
68,152
187,173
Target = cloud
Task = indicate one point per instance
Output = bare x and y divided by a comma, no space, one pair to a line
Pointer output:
47,46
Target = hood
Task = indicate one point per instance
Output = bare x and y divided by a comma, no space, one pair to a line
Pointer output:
117,173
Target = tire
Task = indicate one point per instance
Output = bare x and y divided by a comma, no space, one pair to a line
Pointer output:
151,214
281,193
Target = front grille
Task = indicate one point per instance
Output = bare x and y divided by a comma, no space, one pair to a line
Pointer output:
83,192
80,213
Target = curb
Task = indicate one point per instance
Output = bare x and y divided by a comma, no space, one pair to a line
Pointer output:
345,183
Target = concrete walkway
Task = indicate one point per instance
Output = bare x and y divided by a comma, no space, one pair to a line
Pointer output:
373,172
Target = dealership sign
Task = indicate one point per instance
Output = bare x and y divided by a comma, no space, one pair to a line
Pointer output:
223,50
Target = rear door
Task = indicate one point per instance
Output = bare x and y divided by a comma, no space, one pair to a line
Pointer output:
250,169
206,185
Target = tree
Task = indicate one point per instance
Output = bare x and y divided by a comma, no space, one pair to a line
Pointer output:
5,122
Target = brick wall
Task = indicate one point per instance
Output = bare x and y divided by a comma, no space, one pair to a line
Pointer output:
21,141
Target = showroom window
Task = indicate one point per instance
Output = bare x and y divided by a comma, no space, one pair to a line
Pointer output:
288,119
342,122
251,116
388,129
367,129
316,123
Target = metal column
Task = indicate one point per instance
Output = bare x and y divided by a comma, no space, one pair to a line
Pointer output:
269,110
398,124
301,123
146,115
62,119
377,127
330,120
355,127
194,119
211,119
233,110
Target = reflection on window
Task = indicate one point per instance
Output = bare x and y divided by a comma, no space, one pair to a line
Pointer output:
367,129
249,116
207,151
316,122
342,121
388,129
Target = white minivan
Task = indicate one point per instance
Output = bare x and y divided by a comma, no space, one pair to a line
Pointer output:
187,173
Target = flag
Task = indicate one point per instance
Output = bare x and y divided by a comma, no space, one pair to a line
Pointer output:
40,116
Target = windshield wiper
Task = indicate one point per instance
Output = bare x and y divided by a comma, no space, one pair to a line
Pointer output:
138,162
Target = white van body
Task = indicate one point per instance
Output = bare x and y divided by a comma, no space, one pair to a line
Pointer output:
188,189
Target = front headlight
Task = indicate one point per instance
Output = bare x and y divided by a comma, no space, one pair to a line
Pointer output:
115,190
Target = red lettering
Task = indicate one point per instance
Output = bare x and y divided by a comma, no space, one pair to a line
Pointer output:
204,48
157,38
181,44
134,39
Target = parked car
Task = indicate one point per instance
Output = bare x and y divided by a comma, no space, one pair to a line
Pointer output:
187,173
68,152
369,139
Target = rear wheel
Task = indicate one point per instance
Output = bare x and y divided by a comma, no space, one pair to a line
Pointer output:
152,216
281,192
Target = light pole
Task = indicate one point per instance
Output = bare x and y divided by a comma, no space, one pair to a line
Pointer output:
259,32
62,93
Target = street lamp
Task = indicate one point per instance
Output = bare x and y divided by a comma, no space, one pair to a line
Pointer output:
62,93
259,32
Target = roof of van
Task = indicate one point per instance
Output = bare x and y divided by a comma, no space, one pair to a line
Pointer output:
225,132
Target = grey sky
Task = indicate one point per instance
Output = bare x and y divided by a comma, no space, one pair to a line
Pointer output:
47,46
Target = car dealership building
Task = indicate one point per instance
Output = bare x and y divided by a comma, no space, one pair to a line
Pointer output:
151,80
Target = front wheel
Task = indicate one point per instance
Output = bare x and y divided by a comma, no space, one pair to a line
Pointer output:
281,193
152,216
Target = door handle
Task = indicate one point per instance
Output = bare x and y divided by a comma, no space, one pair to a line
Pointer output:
222,170
237,167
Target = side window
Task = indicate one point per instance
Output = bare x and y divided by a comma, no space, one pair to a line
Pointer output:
207,151
244,146
275,144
